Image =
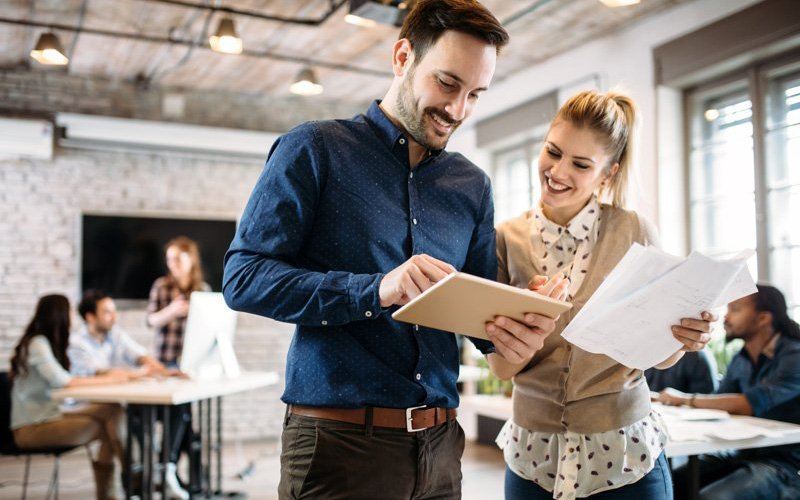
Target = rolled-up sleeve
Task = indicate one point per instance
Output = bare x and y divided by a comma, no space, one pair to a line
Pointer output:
482,254
781,386
41,359
261,272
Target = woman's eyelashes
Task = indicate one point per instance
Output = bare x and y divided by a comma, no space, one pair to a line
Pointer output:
556,155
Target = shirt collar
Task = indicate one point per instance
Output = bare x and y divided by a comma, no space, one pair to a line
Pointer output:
394,138
579,227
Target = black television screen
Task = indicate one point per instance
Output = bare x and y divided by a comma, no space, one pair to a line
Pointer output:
124,255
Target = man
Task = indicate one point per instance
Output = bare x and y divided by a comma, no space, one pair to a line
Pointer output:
695,372
352,218
102,347
762,380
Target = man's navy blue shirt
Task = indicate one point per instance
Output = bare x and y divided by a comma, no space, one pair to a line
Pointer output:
335,209
771,386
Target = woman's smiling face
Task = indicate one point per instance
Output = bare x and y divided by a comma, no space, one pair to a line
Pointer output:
572,166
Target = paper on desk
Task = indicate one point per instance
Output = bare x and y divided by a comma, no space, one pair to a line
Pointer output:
629,316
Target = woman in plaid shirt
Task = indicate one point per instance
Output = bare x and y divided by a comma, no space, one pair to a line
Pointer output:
167,310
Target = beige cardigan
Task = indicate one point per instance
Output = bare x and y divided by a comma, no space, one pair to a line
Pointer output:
564,387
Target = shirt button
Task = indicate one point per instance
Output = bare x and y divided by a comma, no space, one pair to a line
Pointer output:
414,221
324,323
419,376
416,327
411,175
402,141
368,314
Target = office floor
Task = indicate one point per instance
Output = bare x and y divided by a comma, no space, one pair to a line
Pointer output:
482,467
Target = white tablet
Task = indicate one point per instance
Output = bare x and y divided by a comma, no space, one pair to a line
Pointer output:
462,303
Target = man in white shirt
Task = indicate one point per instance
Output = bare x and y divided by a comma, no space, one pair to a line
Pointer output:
102,347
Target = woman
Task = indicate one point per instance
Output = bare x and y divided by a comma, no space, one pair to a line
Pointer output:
582,422
39,365
169,297
167,311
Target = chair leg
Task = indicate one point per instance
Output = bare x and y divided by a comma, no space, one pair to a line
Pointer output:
55,475
53,486
27,473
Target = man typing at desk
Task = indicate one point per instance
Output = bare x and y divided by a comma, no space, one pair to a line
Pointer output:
102,347
762,380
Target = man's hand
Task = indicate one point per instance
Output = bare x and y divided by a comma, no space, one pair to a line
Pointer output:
694,333
410,279
673,397
518,342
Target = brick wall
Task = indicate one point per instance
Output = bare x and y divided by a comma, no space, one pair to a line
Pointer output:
41,203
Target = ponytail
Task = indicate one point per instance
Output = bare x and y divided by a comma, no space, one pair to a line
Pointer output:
614,117
770,299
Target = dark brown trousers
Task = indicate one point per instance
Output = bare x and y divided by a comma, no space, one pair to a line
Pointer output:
325,459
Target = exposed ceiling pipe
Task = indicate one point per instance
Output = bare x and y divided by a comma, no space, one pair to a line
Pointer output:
264,54
334,6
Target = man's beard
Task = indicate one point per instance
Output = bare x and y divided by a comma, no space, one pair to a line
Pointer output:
413,118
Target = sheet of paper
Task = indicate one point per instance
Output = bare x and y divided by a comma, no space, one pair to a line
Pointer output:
630,315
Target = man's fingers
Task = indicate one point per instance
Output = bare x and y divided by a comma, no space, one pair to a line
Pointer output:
409,288
444,266
421,280
432,271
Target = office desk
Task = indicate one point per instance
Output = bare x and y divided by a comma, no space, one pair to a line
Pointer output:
778,433
147,398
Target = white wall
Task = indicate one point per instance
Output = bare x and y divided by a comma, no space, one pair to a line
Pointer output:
622,59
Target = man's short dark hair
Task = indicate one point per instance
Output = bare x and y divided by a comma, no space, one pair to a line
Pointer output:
429,19
89,301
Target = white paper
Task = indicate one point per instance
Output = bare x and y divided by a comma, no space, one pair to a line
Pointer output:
629,317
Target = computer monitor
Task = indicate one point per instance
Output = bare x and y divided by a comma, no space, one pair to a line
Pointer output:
208,338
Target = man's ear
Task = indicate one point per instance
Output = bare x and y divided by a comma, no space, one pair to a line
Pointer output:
764,319
402,57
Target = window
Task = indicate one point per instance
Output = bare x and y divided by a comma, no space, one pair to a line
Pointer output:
744,171
515,180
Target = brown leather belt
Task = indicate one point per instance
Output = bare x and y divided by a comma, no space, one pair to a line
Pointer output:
411,419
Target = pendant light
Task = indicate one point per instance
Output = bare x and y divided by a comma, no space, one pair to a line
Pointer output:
49,51
225,39
306,83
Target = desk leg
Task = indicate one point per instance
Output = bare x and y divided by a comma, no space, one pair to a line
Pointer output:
149,421
694,477
207,438
127,466
166,444
219,445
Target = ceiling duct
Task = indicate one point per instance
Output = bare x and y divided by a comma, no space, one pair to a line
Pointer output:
391,12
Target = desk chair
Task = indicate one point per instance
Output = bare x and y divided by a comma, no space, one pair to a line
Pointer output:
7,446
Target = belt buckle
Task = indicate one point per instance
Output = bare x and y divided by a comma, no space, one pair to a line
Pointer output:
410,419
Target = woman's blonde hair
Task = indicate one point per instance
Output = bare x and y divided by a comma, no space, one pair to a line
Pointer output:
189,246
612,116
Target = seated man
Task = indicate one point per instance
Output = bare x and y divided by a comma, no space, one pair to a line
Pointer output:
101,347
696,372
762,380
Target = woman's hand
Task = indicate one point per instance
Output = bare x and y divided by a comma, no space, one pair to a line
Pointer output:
179,307
694,333
518,342
556,287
